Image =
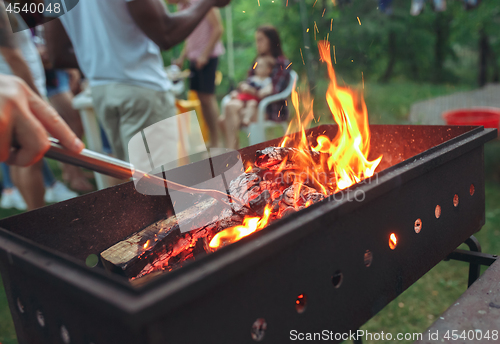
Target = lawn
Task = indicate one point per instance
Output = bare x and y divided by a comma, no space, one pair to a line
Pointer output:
420,305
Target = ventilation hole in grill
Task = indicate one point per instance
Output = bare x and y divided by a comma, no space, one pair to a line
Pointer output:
437,211
301,303
393,241
337,279
455,200
259,328
92,260
20,305
40,318
65,335
368,258
472,189
418,225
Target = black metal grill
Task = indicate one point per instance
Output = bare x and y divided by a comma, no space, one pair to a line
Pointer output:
336,254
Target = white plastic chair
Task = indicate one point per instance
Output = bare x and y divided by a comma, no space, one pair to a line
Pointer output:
257,130
83,103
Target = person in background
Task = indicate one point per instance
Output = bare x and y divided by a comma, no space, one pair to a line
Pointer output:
255,88
268,43
203,48
117,44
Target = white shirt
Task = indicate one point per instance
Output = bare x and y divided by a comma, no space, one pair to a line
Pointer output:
24,41
111,48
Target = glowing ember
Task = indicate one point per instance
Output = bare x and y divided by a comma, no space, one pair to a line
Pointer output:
393,241
233,234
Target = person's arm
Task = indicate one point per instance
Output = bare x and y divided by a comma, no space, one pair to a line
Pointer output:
265,91
59,47
11,53
24,120
167,29
215,21
180,60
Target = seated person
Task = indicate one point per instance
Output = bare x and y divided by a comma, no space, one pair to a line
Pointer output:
268,43
256,87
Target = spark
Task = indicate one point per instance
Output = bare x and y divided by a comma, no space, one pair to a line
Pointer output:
248,135
331,24
255,65
302,57
307,30
334,55
322,15
243,11
315,3
359,21
286,3
258,1
288,65
327,36
363,78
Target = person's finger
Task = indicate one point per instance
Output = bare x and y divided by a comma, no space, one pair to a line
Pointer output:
54,124
31,138
5,135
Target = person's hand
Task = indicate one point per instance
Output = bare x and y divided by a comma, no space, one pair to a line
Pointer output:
178,62
201,62
245,88
24,119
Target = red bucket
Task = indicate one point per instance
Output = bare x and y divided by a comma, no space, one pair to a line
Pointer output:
487,117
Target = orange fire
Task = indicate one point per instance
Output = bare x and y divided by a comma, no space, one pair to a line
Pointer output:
233,234
345,157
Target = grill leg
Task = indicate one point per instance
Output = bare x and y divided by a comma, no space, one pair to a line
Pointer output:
474,268
474,257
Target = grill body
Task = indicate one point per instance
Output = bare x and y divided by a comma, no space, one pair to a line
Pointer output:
336,253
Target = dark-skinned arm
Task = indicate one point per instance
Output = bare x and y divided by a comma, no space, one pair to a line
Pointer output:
167,29
59,47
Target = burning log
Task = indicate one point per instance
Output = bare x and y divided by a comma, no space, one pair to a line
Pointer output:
159,240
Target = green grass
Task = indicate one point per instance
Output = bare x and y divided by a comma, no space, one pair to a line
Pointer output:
419,306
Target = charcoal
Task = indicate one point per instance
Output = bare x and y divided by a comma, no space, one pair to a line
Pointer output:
258,204
273,156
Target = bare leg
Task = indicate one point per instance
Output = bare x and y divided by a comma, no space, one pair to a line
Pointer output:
29,181
232,122
72,174
249,112
211,114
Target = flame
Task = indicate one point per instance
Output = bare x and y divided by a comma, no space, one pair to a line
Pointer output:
146,244
347,153
345,157
233,234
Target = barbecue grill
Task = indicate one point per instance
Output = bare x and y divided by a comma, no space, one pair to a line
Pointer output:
332,266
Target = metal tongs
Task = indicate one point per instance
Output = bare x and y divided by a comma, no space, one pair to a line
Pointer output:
123,170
